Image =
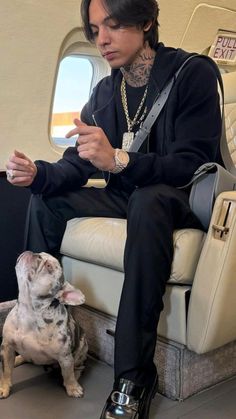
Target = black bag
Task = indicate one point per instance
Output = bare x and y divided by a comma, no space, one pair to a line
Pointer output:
209,181
211,178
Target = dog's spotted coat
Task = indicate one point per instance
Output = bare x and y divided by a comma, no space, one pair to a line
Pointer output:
40,327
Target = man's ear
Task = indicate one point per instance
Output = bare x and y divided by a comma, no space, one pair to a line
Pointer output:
70,295
147,26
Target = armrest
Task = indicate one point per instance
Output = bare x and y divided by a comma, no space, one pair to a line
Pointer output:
212,309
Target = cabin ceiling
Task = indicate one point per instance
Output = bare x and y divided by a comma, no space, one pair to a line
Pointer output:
178,16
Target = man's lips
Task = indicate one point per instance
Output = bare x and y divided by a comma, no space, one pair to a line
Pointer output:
109,55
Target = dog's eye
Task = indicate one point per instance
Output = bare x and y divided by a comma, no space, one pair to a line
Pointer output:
49,267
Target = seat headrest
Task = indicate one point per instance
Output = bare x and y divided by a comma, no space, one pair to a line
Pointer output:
229,81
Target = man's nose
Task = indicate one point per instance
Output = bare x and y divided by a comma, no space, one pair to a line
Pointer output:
103,36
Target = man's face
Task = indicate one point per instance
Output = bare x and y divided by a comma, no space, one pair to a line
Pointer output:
117,44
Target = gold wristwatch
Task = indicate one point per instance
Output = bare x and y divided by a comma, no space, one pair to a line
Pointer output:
121,158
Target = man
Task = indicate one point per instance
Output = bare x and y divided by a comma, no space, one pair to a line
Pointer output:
141,186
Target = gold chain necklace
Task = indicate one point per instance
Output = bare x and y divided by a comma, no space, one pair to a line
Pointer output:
129,136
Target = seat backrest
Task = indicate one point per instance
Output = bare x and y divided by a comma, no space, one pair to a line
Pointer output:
212,311
229,80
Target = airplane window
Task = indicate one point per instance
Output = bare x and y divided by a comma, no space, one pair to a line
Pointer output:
72,92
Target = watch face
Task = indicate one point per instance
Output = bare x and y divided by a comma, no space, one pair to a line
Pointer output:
122,157
121,160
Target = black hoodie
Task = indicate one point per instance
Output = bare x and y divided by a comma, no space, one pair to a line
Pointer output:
185,135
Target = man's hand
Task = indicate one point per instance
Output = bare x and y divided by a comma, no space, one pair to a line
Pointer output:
21,171
93,145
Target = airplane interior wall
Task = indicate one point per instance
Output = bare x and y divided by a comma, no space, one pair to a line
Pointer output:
34,37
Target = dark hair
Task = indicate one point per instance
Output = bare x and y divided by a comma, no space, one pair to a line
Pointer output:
128,13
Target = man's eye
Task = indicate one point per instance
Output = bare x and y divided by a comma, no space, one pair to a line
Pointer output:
115,26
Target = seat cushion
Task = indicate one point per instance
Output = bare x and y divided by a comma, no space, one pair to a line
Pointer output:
102,287
101,241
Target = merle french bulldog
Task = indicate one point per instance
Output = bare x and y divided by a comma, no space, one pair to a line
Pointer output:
40,327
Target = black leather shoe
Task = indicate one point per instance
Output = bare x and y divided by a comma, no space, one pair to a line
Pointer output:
128,401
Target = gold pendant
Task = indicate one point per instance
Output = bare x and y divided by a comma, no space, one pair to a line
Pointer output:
127,140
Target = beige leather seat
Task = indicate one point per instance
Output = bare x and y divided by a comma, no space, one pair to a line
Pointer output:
93,249
199,313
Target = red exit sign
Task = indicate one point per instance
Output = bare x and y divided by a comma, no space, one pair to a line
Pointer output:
223,50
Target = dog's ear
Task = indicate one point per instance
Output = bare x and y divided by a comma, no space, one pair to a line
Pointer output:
70,295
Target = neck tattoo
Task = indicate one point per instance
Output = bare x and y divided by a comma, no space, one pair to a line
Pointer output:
137,74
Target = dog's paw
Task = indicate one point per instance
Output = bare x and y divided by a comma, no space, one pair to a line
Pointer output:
75,390
4,391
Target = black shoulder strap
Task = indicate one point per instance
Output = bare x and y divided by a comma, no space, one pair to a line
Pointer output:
147,124
224,148
158,105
